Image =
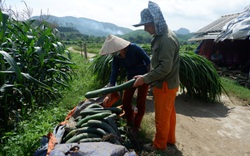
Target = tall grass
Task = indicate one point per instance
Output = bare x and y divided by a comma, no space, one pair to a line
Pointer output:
26,140
197,75
235,90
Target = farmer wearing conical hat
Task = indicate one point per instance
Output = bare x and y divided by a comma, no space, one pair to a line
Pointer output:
136,62
164,75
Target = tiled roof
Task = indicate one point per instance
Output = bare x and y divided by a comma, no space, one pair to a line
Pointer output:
217,25
231,26
212,30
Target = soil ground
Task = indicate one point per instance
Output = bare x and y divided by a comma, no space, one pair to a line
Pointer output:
211,129
89,55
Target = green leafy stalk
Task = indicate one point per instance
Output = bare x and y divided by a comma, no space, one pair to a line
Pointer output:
197,75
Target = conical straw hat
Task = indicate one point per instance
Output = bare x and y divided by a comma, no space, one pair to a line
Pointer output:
113,44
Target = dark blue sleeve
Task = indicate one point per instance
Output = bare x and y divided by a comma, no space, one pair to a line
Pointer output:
114,71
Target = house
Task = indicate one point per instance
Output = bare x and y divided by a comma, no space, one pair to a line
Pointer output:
230,35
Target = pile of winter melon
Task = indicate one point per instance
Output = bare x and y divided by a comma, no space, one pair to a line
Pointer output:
96,123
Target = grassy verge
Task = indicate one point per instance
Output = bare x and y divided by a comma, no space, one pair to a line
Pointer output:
91,47
26,139
235,90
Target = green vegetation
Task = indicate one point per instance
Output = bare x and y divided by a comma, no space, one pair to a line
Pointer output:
34,68
91,47
235,90
25,140
41,81
138,36
183,39
141,37
195,71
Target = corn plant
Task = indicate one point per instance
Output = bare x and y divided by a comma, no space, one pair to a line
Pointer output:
198,77
33,67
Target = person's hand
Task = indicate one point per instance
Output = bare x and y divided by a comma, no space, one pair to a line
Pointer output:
139,81
106,100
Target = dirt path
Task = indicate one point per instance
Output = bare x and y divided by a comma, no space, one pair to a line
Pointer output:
89,55
211,129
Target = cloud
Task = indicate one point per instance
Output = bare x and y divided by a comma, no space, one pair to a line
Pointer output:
195,14
191,14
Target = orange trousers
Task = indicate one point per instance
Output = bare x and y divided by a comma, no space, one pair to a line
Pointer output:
165,116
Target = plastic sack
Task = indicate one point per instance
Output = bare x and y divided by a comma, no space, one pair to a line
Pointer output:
89,149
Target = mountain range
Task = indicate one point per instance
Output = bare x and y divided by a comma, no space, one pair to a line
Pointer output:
92,27
86,26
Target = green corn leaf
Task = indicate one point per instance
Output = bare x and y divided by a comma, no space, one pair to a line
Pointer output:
3,24
30,78
13,64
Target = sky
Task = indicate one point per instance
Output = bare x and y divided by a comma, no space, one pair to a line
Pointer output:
190,14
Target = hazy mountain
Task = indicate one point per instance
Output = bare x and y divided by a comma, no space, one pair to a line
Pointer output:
141,36
86,26
182,31
91,27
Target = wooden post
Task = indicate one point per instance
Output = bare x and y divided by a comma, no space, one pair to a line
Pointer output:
85,50
81,46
